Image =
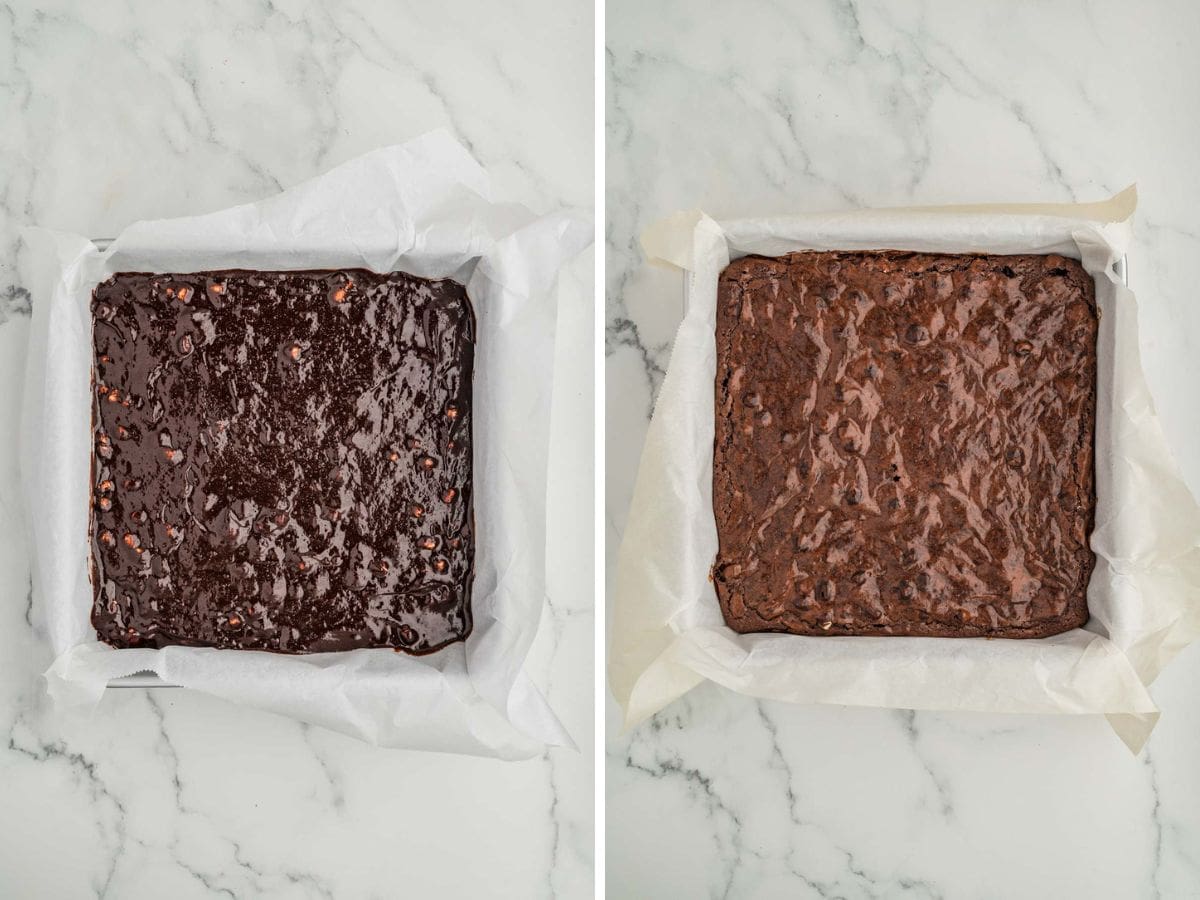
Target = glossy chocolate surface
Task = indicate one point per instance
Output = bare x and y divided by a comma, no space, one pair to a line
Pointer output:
904,444
282,461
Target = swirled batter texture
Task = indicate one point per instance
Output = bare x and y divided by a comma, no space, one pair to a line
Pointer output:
904,444
282,461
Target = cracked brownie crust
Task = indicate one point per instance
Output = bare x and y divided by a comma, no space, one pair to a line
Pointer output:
904,444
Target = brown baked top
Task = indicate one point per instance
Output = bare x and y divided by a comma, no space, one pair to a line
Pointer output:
282,461
904,444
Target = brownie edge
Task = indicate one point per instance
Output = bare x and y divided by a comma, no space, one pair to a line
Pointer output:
282,461
904,444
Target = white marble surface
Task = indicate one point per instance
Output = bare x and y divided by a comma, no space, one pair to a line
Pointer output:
117,112
834,104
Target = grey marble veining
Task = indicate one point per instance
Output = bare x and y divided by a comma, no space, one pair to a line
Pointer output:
773,107
139,110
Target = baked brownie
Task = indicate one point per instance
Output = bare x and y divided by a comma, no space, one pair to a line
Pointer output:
904,444
282,461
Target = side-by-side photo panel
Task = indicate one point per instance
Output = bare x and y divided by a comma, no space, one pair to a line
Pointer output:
297,319
902,541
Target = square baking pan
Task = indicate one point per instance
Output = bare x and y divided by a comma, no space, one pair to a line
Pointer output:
1120,267
143,679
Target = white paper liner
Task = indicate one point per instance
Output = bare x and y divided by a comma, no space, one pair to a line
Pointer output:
422,208
1144,595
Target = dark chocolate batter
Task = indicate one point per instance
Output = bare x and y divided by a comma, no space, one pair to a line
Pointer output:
282,461
904,444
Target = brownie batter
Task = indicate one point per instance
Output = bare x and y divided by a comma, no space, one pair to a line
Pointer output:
282,461
904,444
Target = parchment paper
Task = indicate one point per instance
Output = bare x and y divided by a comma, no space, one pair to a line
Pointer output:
423,208
1144,595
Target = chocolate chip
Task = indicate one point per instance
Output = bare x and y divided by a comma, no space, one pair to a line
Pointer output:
916,334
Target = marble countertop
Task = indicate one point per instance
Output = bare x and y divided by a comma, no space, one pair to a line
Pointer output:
846,103
147,110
